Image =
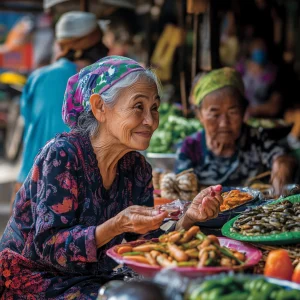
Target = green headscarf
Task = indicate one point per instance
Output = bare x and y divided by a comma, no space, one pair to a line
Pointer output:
215,80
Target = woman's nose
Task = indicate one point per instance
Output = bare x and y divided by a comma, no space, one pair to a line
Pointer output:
148,118
224,120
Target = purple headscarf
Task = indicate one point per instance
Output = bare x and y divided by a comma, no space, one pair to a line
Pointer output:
94,79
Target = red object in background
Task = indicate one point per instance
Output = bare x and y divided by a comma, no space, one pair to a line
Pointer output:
279,265
20,60
161,201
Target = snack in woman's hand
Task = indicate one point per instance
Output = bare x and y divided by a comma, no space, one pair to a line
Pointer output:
234,198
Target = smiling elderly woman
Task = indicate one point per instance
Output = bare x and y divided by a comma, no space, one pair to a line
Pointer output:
89,187
227,151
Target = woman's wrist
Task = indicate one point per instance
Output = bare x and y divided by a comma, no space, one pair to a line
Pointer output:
185,223
106,232
116,225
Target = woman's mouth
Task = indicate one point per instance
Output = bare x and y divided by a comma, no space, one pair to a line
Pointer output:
144,134
225,132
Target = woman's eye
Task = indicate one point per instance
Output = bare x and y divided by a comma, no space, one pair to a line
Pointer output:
234,112
215,116
155,108
139,107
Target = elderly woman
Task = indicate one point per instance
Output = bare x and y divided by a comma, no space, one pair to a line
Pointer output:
227,151
89,187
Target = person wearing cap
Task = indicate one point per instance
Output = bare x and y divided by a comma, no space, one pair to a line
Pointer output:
227,151
89,187
79,43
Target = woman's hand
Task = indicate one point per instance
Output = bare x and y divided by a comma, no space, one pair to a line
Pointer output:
138,219
205,206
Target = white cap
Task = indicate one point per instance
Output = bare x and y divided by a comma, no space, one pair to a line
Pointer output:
75,24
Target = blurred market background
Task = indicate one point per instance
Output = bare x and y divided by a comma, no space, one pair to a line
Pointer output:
179,38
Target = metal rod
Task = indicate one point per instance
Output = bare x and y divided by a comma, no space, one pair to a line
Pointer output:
84,5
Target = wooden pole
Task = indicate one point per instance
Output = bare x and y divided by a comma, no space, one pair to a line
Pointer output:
195,45
214,34
84,5
183,93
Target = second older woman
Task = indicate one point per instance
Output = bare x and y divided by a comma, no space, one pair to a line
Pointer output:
227,151
89,187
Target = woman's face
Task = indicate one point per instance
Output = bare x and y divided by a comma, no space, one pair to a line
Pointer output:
135,117
222,115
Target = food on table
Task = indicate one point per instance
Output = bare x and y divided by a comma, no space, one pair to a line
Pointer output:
182,186
234,198
231,288
269,193
182,248
269,219
260,186
296,274
279,265
175,208
267,123
157,176
293,251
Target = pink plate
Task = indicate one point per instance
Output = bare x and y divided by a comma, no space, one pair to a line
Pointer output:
253,256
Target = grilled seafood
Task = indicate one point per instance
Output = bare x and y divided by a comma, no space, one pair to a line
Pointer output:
269,219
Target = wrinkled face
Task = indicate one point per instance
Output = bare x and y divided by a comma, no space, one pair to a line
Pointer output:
134,117
221,114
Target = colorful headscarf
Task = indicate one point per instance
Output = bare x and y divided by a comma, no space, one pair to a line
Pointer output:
94,79
215,80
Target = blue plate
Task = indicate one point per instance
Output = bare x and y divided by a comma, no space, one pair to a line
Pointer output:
227,215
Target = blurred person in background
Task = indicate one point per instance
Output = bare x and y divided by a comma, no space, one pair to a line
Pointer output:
79,41
117,37
260,77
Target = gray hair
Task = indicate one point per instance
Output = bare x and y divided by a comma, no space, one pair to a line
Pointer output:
87,124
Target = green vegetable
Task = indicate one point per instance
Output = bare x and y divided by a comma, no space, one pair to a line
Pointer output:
209,285
173,128
133,253
200,236
215,293
288,295
238,295
187,264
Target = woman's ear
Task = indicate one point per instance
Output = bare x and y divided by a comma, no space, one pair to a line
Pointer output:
98,107
199,114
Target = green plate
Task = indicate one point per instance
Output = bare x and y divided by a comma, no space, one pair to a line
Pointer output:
271,239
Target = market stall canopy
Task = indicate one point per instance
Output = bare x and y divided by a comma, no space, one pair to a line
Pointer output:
25,5
119,3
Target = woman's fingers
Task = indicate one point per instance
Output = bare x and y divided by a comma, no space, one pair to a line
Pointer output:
211,206
210,191
217,188
149,223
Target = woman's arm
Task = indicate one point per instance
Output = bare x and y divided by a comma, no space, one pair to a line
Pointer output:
59,237
135,219
269,109
283,170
